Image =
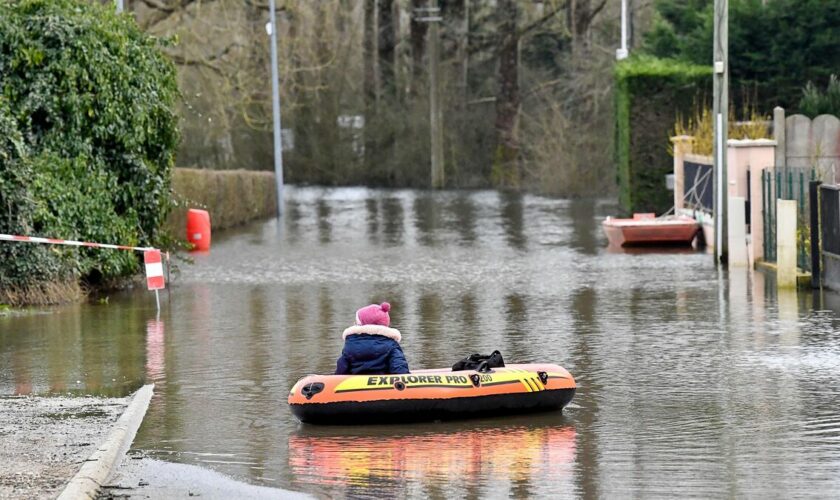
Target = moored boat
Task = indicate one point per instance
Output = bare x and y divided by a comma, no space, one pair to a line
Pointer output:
647,229
431,394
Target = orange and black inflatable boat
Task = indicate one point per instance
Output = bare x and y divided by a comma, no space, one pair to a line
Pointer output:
430,394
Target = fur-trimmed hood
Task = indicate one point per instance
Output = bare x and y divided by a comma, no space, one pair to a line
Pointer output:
391,333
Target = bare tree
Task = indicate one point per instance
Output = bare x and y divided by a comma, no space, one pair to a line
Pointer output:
579,17
505,162
386,48
370,91
523,82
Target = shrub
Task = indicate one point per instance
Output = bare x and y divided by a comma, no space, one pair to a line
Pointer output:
88,138
816,102
700,126
774,45
650,94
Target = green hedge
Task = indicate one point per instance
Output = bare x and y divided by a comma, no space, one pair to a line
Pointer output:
650,94
232,197
87,141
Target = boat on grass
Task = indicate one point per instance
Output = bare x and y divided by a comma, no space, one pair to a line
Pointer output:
440,394
647,229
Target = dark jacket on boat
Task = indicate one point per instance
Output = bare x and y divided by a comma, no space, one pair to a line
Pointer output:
371,350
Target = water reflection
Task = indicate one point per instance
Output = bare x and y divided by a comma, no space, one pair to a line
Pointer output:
372,209
584,324
691,381
464,220
651,249
499,460
292,217
512,214
324,221
79,349
586,226
426,218
394,220
155,352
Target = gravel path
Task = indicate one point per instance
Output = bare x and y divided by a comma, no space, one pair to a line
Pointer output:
45,440
140,477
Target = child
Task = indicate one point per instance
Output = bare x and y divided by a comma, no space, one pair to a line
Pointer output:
371,346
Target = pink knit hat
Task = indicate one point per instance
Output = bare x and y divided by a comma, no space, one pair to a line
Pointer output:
374,315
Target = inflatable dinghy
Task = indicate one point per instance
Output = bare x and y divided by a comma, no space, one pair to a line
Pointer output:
430,394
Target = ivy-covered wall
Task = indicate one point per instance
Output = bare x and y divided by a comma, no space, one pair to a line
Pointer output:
650,94
87,141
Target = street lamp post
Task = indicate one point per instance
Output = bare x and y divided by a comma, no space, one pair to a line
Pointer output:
622,52
275,102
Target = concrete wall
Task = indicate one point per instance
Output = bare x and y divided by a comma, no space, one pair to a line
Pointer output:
831,272
232,197
806,143
786,243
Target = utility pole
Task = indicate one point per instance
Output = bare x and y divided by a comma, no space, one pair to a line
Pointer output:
435,113
275,101
721,124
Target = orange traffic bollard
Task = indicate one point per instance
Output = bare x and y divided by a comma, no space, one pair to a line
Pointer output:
198,229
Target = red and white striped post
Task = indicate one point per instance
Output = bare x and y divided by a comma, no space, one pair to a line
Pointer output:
154,273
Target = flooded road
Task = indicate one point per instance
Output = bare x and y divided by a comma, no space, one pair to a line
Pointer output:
690,382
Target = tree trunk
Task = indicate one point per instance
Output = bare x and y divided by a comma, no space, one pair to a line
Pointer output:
387,123
418,44
579,17
326,105
369,82
387,43
505,162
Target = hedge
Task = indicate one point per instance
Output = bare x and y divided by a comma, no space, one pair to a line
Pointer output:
87,141
650,94
232,197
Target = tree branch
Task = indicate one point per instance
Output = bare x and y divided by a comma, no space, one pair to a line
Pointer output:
207,61
156,5
596,10
493,40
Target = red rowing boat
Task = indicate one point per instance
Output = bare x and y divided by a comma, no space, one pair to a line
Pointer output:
647,229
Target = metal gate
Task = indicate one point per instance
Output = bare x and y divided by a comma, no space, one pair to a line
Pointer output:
830,219
787,183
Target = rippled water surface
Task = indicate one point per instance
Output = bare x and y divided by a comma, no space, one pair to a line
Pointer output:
691,382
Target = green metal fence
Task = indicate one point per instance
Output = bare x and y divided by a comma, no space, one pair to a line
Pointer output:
787,183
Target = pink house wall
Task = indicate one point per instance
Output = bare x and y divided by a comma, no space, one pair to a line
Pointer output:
743,156
750,155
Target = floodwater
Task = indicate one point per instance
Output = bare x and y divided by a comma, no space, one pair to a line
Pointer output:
691,382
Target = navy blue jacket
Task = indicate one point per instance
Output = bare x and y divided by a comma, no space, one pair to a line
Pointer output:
371,354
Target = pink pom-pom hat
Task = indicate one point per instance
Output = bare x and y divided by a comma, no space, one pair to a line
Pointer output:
374,314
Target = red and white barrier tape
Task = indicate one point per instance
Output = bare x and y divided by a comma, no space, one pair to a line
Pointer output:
151,257
53,241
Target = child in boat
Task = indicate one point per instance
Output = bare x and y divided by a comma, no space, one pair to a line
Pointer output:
371,346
